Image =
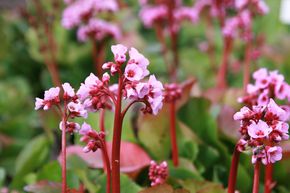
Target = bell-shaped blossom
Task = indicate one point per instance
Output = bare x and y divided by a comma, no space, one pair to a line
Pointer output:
259,130
133,72
139,60
151,14
77,109
51,97
119,52
274,154
69,92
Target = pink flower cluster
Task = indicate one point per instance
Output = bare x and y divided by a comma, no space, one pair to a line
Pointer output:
172,92
158,173
72,105
262,128
94,140
134,88
267,85
82,14
242,22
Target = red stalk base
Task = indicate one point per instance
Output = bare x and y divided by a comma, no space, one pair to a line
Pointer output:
256,177
173,134
233,171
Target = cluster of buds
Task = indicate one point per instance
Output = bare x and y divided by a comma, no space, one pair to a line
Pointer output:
262,129
134,88
158,173
242,23
95,93
94,140
267,85
83,13
172,92
72,105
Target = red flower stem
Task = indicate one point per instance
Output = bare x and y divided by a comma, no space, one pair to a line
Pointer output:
63,150
256,177
174,40
173,134
98,56
247,65
106,165
161,39
102,128
117,139
221,78
268,178
233,171
210,38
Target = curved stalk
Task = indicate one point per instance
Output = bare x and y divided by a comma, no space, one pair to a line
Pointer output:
106,166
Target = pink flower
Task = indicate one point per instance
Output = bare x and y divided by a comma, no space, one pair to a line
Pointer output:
133,72
261,77
230,27
142,89
71,127
77,12
77,109
98,30
282,129
150,14
188,13
282,89
108,5
252,89
274,154
259,130
275,112
68,90
239,4
92,81
263,98
259,153
139,60
244,113
51,97
262,7
83,92
119,52
51,94
85,129
155,96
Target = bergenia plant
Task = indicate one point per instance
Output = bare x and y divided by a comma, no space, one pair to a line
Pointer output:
263,126
240,26
86,15
68,106
96,94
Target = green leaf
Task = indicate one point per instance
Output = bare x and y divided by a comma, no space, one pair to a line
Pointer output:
153,132
29,159
50,172
189,150
127,185
202,186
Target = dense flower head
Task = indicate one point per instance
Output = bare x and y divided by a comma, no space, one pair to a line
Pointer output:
259,6
268,84
68,105
98,29
82,14
262,128
172,92
158,173
94,140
